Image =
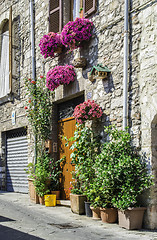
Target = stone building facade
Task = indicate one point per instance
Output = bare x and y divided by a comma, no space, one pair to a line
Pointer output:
107,48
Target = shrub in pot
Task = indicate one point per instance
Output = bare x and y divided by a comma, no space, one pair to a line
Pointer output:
46,177
85,149
125,173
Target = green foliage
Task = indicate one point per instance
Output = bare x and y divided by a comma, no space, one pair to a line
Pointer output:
30,170
85,148
47,173
39,108
121,174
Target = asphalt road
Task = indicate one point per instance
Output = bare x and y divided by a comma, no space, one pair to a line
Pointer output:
22,220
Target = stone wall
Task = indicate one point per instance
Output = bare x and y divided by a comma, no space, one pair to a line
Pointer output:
105,47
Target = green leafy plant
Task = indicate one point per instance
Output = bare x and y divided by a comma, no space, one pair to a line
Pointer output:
85,148
47,173
30,170
121,174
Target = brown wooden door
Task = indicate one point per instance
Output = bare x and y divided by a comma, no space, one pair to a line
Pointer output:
66,128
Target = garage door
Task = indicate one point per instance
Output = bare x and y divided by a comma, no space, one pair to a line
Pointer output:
17,160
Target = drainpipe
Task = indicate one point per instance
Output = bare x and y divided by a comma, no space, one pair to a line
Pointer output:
33,65
125,73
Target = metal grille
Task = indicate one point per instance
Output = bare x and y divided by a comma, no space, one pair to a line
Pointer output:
17,160
66,109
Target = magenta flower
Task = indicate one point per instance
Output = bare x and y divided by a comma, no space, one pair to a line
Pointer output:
76,32
87,111
49,44
60,75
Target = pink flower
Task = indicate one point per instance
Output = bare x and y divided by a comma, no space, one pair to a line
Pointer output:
25,107
60,75
87,111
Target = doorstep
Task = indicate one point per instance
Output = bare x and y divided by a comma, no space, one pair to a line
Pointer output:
65,203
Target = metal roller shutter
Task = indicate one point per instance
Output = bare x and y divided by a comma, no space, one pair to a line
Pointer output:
17,161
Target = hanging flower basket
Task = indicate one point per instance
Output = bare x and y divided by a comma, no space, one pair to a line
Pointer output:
88,110
76,32
60,75
50,44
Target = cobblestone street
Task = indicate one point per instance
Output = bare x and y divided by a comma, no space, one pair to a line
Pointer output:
20,219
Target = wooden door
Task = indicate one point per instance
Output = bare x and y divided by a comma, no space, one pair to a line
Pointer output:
66,127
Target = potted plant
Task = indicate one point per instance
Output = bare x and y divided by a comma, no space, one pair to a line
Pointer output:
125,175
77,198
75,33
60,75
46,177
50,44
85,149
87,110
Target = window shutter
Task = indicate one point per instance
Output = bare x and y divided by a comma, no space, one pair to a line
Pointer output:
10,49
89,7
55,16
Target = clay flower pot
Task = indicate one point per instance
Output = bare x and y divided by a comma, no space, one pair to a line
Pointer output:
131,218
41,200
109,215
33,195
96,213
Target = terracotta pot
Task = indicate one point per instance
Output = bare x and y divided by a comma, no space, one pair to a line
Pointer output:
109,215
41,200
32,193
131,218
96,213
77,203
57,193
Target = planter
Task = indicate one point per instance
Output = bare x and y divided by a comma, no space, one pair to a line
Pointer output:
77,203
96,213
131,218
32,193
109,215
80,62
41,200
57,193
88,211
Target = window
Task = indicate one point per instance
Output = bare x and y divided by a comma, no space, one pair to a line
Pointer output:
4,66
62,11
5,58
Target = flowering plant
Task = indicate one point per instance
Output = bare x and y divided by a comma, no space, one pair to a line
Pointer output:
60,75
87,111
49,44
76,32
39,107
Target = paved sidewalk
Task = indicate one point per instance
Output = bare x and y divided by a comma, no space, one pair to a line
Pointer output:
21,219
